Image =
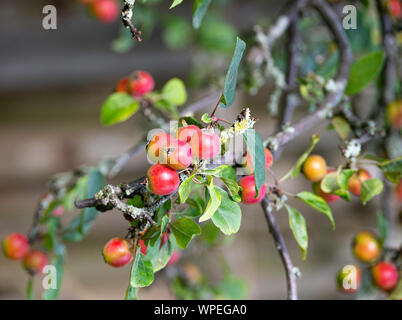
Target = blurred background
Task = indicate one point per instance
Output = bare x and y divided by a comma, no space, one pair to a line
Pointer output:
52,86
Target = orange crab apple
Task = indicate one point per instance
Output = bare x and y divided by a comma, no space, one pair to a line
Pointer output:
247,184
15,246
394,114
354,183
34,261
162,179
349,279
116,252
366,247
248,164
385,275
314,168
205,144
185,133
156,144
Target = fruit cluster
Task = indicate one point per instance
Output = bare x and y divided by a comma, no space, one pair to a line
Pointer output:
315,169
105,11
16,247
367,249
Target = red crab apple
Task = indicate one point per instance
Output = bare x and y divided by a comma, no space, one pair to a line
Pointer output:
248,164
366,247
15,246
177,154
385,275
141,83
356,180
349,279
326,196
58,211
162,179
399,191
205,144
34,261
314,168
116,252
156,144
395,8
185,133
105,10
247,184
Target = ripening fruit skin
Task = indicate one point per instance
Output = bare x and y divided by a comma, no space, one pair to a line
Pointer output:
314,168
142,83
248,163
385,275
395,8
58,211
156,144
342,273
356,180
143,247
34,261
105,10
366,247
173,258
15,246
394,114
326,196
116,252
177,155
162,179
247,184
185,133
205,144
123,85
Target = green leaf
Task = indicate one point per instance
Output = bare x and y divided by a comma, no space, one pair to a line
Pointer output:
330,182
175,3
370,188
50,237
131,293
363,71
58,262
185,229
298,226
185,189
159,256
382,226
81,225
164,223
255,147
142,273
177,33
317,203
295,171
206,118
118,107
213,202
210,233
228,175
392,169
343,178
232,288
228,215
199,10
229,88
31,289
174,92
344,194
341,126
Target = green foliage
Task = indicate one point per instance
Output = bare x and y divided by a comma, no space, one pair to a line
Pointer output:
58,261
185,229
316,203
185,189
229,88
118,107
131,293
392,169
228,175
363,71
210,233
370,188
341,126
30,289
199,10
382,226
232,288
256,149
228,215
142,273
175,3
81,225
177,33
214,200
174,92
159,256
298,226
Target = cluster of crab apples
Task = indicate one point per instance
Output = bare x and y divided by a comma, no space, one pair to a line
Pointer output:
105,11
368,250
315,169
16,247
